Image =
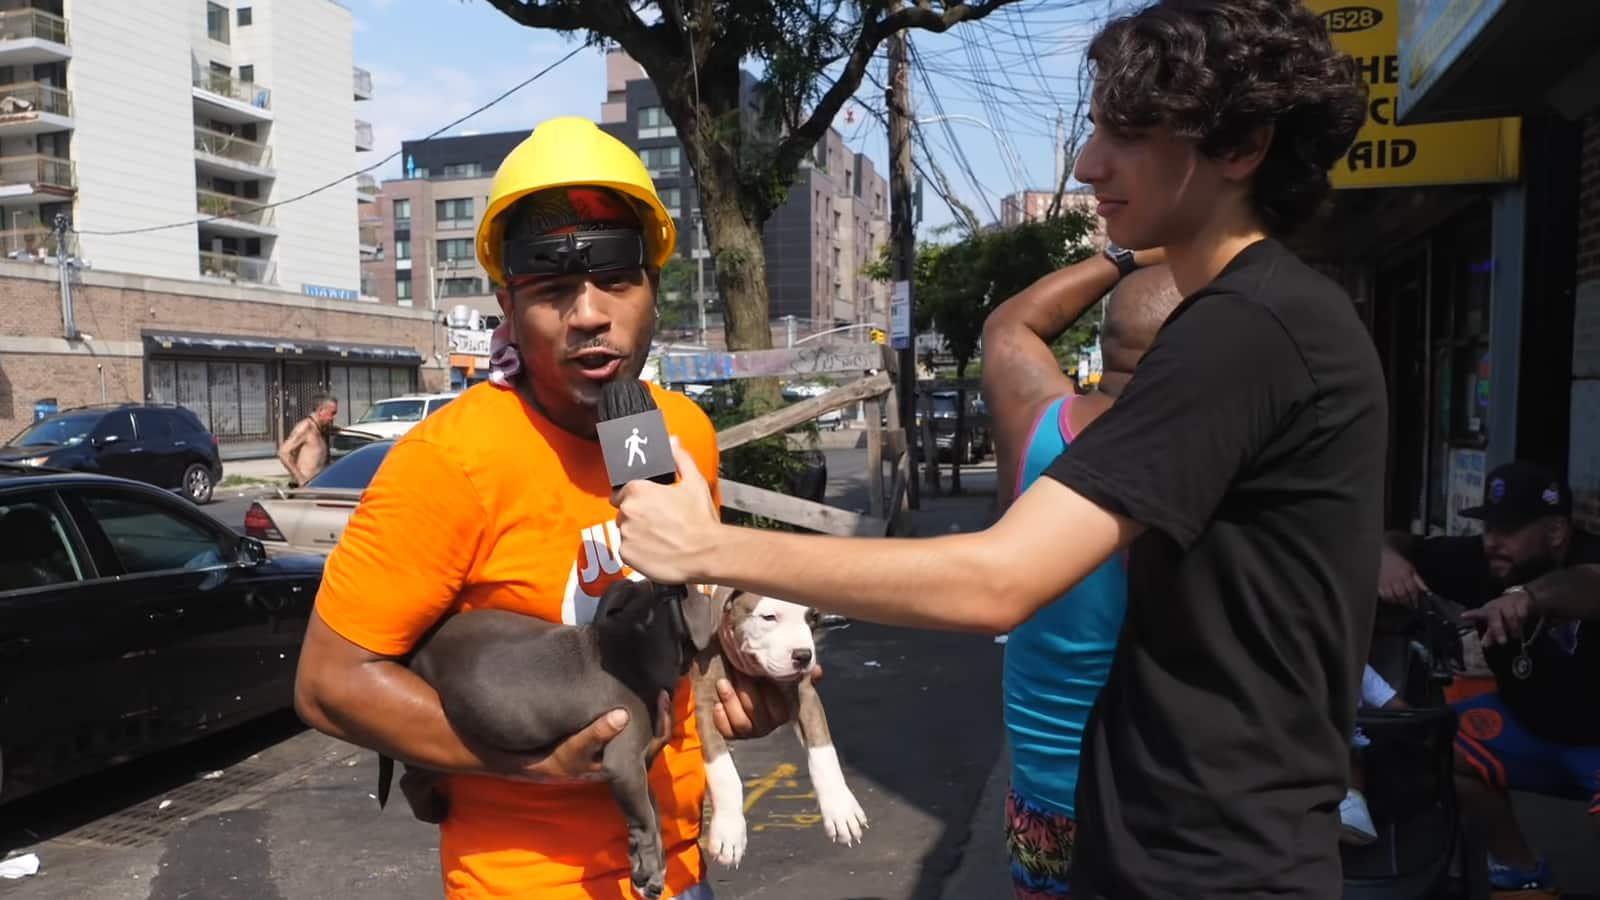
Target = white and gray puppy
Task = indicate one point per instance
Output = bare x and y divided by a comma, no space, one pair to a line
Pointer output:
765,637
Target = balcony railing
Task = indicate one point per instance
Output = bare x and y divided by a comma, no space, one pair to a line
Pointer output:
367,186
33,97
462,287
37,242
363,80
234,147
371,235
232,88
451,263
236,268
20,24
211,203
38,171
363,135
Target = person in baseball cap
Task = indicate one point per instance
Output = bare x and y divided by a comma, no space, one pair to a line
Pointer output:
1531,584
1518,494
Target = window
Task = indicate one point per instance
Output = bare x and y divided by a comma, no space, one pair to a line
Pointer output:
117,426
462,170
246,16
402,289
671,198
402,250
152,423
463,287
394,411
402,214
34,549
354,471
654,123
434,405
456,249
247,74
148,537
456,213
217,23
662,160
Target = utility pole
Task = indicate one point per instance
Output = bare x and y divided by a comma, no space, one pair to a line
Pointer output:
902,232
69,322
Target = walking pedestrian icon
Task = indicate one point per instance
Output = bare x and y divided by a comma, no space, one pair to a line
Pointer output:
635,443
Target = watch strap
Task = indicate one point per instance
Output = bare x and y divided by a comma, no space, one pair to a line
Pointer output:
1121,258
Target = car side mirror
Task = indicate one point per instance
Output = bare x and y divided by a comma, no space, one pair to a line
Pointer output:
251,552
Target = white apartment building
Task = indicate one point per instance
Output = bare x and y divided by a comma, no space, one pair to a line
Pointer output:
197,114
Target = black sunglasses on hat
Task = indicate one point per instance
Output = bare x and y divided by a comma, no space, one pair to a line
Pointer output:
1519,493
575,253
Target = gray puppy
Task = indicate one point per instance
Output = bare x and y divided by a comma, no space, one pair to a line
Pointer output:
636,647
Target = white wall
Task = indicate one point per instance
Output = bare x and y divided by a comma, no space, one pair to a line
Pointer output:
133,142
303,53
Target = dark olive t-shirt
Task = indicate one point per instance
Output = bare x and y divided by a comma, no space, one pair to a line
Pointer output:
1251,445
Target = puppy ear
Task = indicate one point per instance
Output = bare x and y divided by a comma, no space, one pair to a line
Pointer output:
618,598
701,615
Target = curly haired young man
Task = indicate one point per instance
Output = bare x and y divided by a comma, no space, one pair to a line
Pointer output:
1242,469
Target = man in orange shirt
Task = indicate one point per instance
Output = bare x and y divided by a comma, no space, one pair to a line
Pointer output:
501,500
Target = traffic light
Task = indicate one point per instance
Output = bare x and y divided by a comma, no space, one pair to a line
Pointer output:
879,336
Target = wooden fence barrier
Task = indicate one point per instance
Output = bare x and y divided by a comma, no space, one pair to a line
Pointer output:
888,512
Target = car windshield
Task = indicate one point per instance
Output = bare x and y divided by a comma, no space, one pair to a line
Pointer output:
353,472
61,431
393,411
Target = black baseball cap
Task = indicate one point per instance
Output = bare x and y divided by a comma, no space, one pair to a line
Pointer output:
1518,493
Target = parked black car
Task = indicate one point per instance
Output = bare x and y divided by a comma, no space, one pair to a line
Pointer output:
979,440
161,445
129,622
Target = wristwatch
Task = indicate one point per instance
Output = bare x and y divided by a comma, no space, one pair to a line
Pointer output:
1122,258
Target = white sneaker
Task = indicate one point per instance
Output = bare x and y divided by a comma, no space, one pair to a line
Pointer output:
1356,819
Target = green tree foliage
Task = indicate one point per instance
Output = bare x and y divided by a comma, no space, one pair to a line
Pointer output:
956,285
676,296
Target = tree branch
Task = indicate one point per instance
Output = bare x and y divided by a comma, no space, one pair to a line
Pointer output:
798,142
609,18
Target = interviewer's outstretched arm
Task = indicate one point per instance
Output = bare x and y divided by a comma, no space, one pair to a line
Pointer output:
986,581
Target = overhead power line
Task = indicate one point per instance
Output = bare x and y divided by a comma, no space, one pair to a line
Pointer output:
189,223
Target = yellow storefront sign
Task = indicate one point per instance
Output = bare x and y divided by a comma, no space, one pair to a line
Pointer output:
1389,155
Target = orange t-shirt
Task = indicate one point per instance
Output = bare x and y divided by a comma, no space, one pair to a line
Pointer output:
486,504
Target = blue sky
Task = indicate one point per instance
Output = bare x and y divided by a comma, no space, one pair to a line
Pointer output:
434,60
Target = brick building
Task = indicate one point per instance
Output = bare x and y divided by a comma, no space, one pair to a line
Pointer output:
1467,228
196,279
246,359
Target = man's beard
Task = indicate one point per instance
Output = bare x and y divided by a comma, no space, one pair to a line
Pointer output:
1525,571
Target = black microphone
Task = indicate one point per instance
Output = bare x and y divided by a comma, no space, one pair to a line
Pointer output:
633,438
633,434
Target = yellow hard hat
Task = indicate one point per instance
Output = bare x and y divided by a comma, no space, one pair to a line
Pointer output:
570,152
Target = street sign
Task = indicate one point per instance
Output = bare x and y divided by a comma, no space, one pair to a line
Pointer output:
900,315
1388,154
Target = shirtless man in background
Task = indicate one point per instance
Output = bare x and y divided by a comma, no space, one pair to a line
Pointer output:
305,452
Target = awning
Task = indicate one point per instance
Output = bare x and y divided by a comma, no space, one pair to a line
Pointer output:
189,344
1473,59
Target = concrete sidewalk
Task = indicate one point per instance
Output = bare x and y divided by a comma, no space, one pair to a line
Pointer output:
265,470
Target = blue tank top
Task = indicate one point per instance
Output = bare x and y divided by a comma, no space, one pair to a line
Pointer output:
1057,661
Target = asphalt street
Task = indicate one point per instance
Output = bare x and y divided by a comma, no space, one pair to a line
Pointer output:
272,811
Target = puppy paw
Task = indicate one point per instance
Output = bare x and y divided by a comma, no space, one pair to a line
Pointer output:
842,817
727,839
